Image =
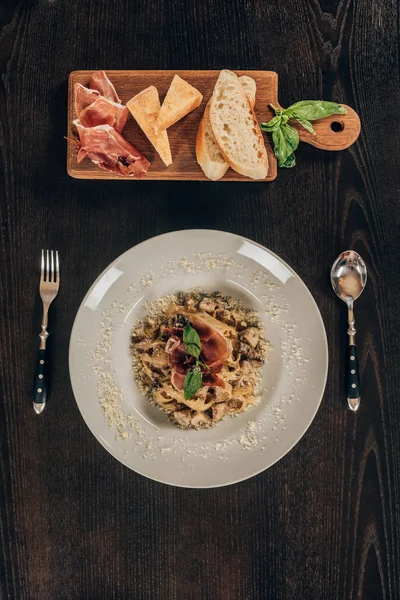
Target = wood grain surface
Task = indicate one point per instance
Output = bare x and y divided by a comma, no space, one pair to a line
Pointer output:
323,523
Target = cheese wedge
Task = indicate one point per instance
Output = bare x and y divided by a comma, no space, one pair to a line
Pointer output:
145,108
180,100
208,154
236,129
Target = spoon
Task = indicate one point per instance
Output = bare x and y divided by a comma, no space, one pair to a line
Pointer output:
348,279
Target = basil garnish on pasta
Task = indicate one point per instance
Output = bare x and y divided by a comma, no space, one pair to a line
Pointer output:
192,341
194,377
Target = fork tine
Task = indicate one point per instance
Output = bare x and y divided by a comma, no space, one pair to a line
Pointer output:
53,275
42,267
57,268
47,266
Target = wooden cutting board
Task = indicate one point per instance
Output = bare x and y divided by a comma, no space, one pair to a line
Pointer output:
182,135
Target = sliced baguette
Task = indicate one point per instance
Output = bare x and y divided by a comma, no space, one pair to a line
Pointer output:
208,154
180,100
236,129
250,88
145,108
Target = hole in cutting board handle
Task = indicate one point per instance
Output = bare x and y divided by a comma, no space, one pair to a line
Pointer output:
337,126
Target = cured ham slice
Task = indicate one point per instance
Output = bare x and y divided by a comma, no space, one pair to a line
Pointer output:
178,380
214,347
104,112
100,120
214,352
84,97
110,151
99,81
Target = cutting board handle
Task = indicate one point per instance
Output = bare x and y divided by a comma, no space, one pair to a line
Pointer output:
336,132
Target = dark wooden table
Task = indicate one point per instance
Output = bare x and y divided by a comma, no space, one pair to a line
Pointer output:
323,523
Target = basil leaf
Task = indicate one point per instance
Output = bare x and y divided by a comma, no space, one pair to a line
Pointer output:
286,140
272,125
192,341
193,381
306,124
316,109
289,162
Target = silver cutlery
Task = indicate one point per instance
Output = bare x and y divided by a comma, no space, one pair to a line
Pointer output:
48,288
348,278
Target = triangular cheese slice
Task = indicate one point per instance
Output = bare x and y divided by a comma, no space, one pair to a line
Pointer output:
180,100
145,108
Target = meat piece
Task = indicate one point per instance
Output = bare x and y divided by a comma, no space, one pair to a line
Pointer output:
208,305
219,411
100,82
214,351
200,419
214,347
223,394
104,112
110,151
183,417
179,360
235,403
251,336
249,352
178,380
172,344
83,97
212,380
160,358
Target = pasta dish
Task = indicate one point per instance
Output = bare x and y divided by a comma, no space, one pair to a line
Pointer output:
197,355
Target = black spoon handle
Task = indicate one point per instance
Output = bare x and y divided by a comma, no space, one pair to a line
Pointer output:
41,382
353,374
353,379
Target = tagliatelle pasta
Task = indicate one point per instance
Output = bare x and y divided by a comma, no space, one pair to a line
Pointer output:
233,348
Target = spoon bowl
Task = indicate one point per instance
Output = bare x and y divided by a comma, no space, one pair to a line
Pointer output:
348,276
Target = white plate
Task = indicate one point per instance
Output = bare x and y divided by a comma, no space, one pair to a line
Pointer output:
137,433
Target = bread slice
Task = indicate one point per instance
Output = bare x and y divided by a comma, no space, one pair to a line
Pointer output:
250,88
180,100
208,154
145,108
236,129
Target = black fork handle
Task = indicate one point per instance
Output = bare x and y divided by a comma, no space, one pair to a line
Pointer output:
41,382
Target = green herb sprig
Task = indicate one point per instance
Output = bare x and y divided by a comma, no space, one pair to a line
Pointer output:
286,138
194,377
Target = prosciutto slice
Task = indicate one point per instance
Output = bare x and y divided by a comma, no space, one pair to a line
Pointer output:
214,347
84,97
104,112
99,81
110,151
100,120
214,352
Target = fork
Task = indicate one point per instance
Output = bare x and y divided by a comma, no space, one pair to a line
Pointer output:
49,284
